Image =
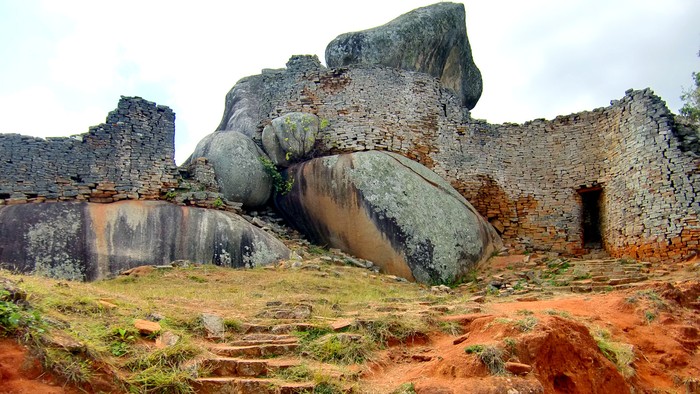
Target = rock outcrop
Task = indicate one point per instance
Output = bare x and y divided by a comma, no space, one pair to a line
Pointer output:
241,110
431,39
87,241
239,171
390,210
253,98
290,137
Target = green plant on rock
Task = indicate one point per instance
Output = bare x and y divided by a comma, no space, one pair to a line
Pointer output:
280,185
218,203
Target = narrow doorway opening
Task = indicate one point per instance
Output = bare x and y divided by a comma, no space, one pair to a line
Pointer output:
591,217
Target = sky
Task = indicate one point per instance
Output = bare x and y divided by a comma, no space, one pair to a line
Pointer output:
64,64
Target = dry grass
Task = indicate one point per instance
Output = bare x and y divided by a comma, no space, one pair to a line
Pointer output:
180,295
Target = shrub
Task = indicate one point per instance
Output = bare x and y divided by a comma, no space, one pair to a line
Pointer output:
491,356
620,354
280,185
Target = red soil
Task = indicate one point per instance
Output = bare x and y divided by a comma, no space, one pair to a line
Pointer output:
564,356
20,375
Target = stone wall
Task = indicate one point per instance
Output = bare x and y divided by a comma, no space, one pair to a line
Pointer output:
528,180
130,156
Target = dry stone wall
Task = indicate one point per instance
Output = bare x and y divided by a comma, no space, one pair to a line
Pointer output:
130,156
530,181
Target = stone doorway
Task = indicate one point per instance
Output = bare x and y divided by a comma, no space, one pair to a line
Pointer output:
591,217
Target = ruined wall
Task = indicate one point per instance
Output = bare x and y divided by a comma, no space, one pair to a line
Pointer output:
130,156
525,179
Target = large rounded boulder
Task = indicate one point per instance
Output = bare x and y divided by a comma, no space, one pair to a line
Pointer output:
432,40
290,137
88,241
242,107
390,210
239,170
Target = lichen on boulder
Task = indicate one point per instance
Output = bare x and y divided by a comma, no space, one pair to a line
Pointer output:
431,39
290,137
237,165
88,241
390,210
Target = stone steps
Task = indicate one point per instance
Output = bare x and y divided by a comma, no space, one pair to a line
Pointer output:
255,351
263,339
570,274
233,366
249,362
275,329
240,385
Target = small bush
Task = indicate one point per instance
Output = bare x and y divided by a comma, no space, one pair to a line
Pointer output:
620,354
526,324
280,185
491,356
474,349
406,388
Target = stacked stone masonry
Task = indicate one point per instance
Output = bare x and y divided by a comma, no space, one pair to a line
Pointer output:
528,179
131,156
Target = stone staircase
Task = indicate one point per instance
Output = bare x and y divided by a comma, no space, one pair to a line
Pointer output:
605,274
249,363
568,274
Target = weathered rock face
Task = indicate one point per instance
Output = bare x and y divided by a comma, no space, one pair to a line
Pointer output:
431,39
390,210
87,241
239,171
290,137
241,109
251,99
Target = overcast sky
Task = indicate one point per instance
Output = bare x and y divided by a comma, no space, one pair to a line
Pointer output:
64,64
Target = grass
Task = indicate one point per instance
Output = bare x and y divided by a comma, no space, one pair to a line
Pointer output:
620,354
399,328
491,356
338,348
554,312
297,373
237,295
450,327
406,388
526,324
72,368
